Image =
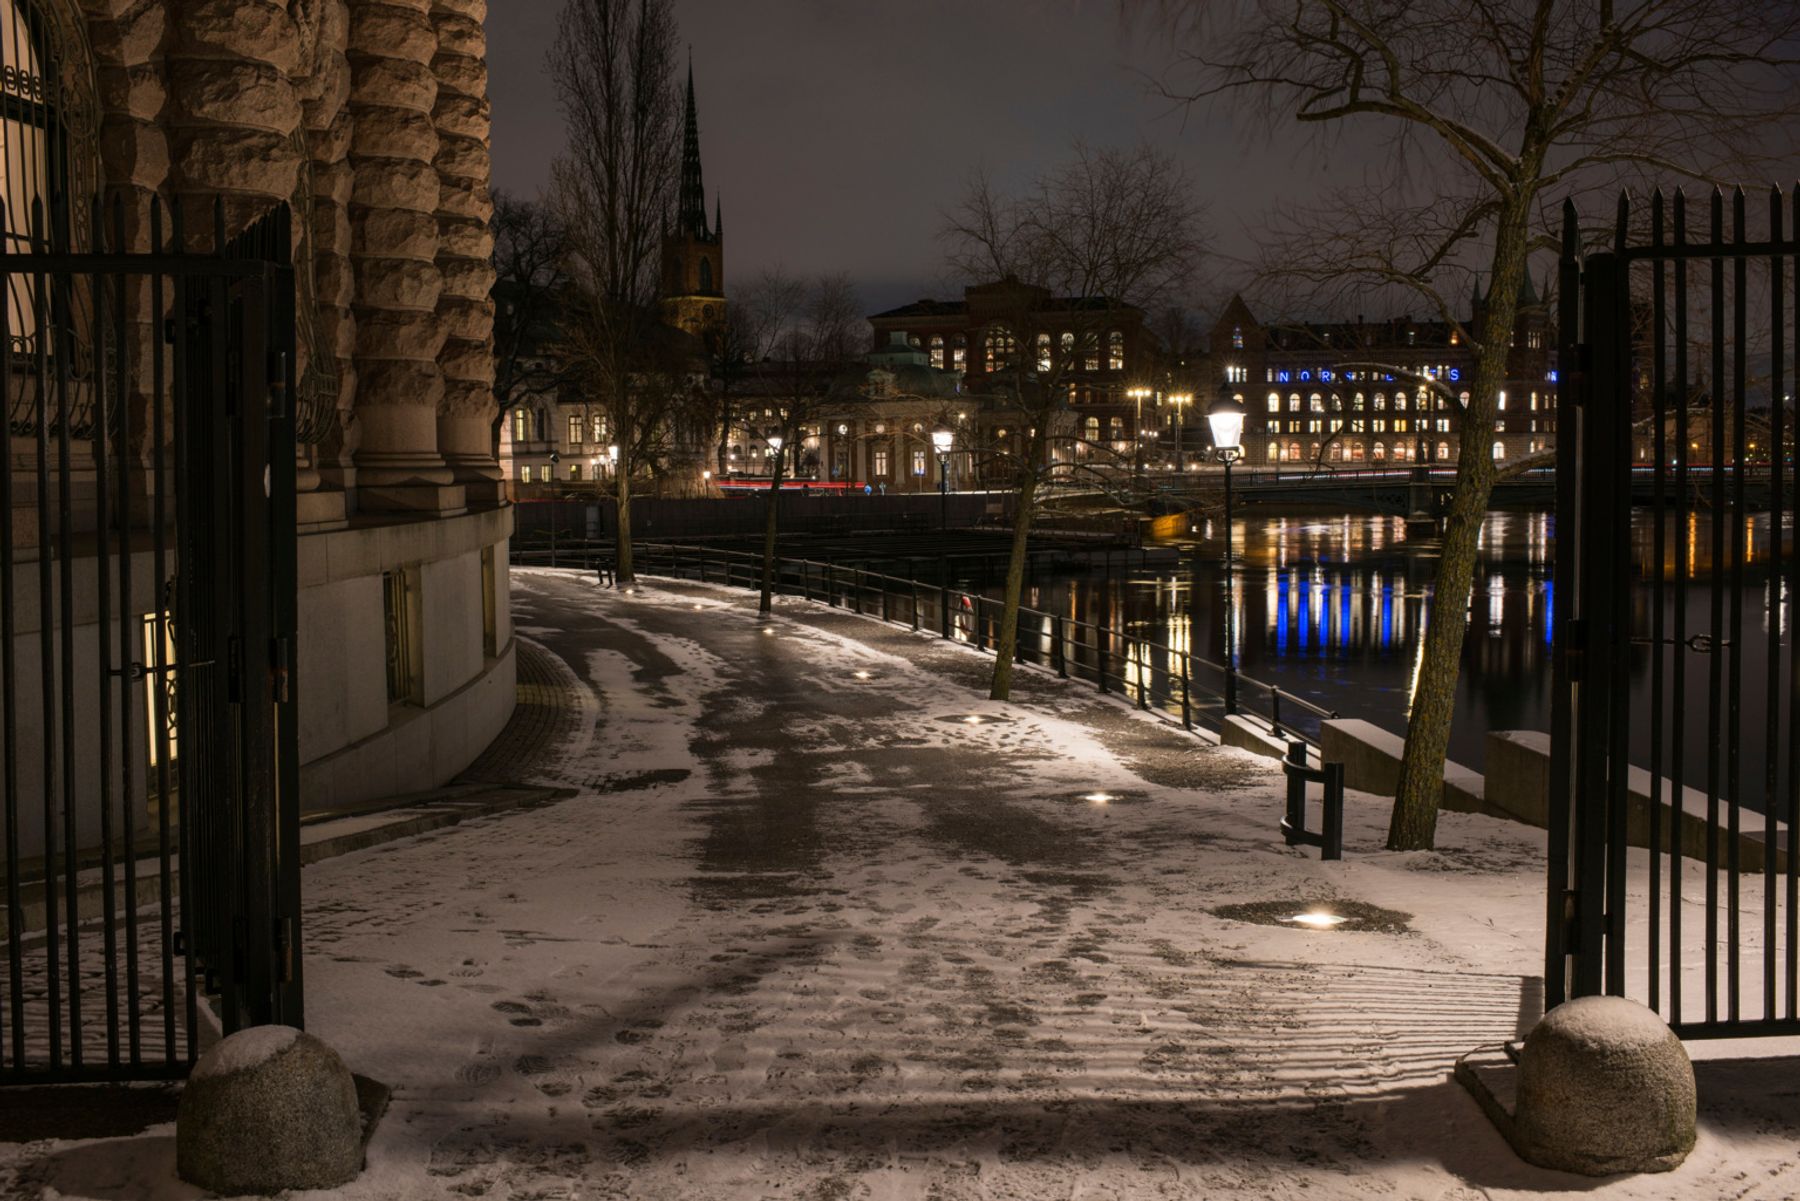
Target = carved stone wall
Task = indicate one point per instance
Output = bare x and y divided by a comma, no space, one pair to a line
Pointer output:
465,245
371,118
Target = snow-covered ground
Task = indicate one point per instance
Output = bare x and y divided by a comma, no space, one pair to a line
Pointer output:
807,932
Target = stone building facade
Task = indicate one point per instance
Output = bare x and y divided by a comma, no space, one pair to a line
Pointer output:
369,118
1370,393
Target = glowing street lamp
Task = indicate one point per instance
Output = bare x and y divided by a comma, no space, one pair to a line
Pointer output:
1226,416
1139,395
941,441
1180,400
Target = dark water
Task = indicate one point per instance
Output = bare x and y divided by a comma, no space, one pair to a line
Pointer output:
1333,609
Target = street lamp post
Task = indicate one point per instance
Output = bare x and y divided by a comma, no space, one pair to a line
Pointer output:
1137,431
555,458
941,441
1226,416
1180,400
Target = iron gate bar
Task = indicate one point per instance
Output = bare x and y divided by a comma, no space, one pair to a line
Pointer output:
1587,940
234,774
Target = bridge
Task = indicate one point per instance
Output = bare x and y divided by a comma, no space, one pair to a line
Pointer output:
1425,491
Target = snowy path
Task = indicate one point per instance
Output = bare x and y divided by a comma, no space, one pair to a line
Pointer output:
806,932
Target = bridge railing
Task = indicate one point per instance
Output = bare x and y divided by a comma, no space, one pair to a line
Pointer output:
1153,676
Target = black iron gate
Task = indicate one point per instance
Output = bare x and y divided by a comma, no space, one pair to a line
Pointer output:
146,640
1675,785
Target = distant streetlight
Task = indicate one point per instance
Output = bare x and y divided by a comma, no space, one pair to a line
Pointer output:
1137,431
1179,400
941,441
1226,416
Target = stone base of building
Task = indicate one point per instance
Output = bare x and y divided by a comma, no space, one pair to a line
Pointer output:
406,653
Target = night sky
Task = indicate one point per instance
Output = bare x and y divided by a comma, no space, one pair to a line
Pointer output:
838,133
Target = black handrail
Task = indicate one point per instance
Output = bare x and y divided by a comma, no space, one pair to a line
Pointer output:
1169,688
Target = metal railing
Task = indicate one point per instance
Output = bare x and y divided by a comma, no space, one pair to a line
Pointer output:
1155,677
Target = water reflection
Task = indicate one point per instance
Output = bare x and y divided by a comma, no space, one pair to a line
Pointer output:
1334,609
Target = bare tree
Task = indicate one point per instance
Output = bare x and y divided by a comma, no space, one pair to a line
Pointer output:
1516,104
529,248
614,64
1108,229
807,331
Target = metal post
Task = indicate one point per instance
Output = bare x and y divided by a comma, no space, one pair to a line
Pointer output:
1187,715
1295,826
915,606
944,610
831,583
944,492
1061,648
1333,834
1230,597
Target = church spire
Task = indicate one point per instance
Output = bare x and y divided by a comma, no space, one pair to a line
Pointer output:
691,217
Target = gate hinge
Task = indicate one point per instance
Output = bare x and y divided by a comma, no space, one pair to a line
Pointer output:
279,663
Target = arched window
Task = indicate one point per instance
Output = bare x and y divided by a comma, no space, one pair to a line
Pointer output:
1115,350
1499,451
1380,452
1381,401
1000,347
937,351
1274,452
1043,352
1336,454
1356,452
1443,451
1274,402
1092,429
1317,403
1237,337
706,282
29,169
1293,452
959,352
1293,402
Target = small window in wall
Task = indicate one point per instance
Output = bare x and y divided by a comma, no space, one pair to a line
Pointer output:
574,471
881,464
525,473
918,457
398,594
490,605
575,429
1115,350
521,425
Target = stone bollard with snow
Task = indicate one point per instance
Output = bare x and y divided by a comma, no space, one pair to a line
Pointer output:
1604,1086
267,1109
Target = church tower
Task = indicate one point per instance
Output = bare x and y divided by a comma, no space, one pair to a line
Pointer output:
693,257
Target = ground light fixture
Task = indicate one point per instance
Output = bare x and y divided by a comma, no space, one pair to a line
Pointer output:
1098,798
863,675
1317,919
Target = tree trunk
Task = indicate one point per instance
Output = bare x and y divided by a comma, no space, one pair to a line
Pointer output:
1413,825
1006,643
774,511
623,573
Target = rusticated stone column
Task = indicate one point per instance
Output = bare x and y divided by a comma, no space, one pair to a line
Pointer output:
232,108
465,247
327,126
394,231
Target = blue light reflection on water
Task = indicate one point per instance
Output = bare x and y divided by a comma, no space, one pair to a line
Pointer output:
1333,609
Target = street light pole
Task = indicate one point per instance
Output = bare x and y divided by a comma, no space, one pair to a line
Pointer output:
1226,416
941,441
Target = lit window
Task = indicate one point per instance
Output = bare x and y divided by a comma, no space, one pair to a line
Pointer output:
1115,350
525,474
574,471
1043,352
575,429
1274,402
937,351
959,354
1237,337
881,464
918,457
521,425
1380,451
